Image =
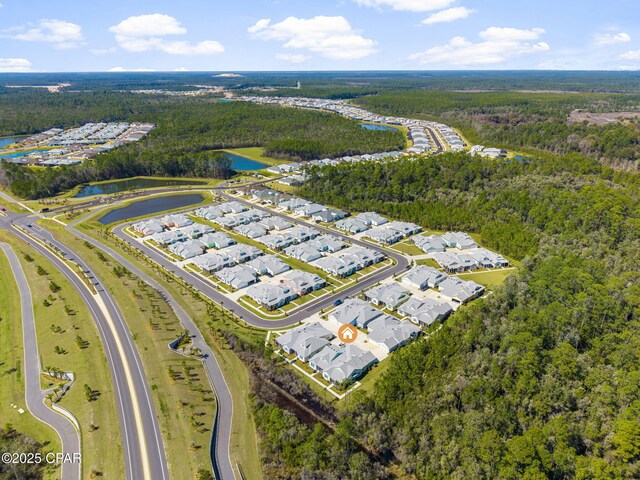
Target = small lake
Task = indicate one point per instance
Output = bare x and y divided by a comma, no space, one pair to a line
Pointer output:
152,205
20,154
376,126
131,184
239,162
9,140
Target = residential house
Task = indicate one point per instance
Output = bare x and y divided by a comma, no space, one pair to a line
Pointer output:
168,237
389,333
388,295
454,262
266,195
305,341
383,235
301,233
227,222
352,225
237,277
430,244
365,257
423,277
309,209
351,364
303,252
275,223
460,291
355,312
293,204
303,282
268,265
329,215
424,312
148,227
187,249
406,229
196,230
488,259
255,214
271,296
209,212
233,207
459,240
217,240
242,253
176,220
253,230
327,243
338,267
371,218
276,241
212,262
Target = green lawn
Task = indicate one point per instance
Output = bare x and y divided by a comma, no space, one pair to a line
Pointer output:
430,262
178,384
69,317
490,278
407,247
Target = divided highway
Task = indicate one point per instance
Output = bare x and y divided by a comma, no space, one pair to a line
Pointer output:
142,443
222,427
34,396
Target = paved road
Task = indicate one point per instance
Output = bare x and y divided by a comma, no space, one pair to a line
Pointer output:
144,454
248,316
34,396
221,432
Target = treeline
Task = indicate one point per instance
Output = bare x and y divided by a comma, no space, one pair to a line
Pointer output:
541,379
14,442
188,130
522,121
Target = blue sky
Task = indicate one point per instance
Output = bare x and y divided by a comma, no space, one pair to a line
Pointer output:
216,35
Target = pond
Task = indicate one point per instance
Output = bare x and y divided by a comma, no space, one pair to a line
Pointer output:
132,184
4,141
239,162
152,205
376,126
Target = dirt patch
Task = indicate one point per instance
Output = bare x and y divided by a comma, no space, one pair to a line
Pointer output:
602,118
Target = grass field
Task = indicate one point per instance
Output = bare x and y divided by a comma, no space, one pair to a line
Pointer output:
179,386
407,247
489,278
69,317
430,262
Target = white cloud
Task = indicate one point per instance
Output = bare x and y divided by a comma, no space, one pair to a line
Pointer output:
448,15
143,33
499,45
122,69
180,69
103,51
605,39
14,65
631,55
331,37
295,58
60,33
407,5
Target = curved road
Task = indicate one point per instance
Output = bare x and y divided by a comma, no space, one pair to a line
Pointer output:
144,454
221,432
34,396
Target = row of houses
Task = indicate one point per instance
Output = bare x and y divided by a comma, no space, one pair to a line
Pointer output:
291,286
312,343
460,291
488,152
461,262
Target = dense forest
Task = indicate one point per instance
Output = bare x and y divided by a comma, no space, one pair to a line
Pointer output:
541,379
187,132
13,441
525,120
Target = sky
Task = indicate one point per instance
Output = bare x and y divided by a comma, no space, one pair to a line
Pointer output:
280,35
